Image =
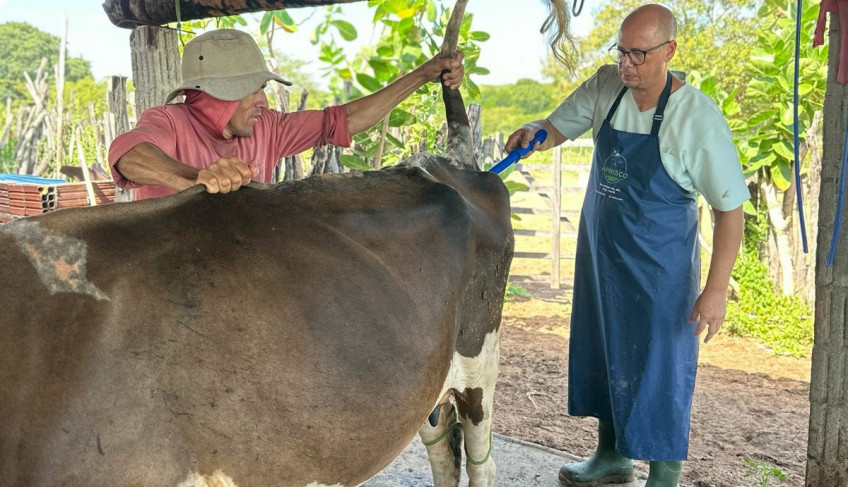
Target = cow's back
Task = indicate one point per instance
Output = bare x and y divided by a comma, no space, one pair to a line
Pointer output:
292,334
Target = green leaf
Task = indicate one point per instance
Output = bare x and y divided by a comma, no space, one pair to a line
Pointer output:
708,85
471,88
513,186
346,29
783,83
431,12
397,143
368,82
737,125
400,117
781,177
748,208
284,20
479,36
344,74
762,159
267,17
761,117
786,115
406,24
354,162
784,150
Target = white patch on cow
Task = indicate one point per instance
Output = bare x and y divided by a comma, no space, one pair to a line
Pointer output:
470,373
479,371
58,259
217,479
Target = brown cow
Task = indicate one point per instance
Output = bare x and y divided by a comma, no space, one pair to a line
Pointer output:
296,334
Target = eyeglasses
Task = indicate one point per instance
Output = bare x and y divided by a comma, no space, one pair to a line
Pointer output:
636,56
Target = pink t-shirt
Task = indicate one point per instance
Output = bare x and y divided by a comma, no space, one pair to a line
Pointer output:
191,132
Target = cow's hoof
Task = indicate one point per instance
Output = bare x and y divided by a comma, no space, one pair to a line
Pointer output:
592,474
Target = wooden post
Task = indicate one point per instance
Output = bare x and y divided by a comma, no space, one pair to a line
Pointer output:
117,99
60,97
155,65
556,209
89,189
294,164
475,116
125,13
116,122
827,454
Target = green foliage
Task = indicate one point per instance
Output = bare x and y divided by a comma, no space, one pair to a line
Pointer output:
782,323
509,106
717,34
190,29
516,291
7,156
766,137
764,473
412,32
85,92
22,47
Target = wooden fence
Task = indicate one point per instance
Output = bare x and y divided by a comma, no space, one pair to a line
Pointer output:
545,181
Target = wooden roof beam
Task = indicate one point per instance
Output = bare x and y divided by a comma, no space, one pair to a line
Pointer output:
133,13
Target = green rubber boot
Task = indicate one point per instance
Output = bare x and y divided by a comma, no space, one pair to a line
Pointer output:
606,466
664,474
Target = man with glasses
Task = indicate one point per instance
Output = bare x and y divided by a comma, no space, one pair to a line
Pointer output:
636,301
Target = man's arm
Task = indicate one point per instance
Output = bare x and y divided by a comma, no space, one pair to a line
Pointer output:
365,112
147,164
711,305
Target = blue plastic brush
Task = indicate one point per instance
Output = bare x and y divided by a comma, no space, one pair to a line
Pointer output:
518,153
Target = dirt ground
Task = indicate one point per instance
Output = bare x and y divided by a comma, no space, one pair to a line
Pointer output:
748,404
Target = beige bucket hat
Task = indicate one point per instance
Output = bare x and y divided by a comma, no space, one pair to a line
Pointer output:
225,63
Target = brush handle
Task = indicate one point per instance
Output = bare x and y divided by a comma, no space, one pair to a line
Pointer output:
518,153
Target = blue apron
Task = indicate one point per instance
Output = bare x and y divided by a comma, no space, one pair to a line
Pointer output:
633,356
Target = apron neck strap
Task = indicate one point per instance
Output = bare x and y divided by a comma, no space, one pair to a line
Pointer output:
658,114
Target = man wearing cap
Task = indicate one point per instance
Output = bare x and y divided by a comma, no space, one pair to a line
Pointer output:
223,135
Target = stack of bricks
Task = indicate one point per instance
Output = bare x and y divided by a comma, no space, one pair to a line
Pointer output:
20,199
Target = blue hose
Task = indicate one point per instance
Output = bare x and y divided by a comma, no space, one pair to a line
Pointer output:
840,200
796,143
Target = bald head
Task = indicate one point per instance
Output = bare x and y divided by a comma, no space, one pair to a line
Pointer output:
651,20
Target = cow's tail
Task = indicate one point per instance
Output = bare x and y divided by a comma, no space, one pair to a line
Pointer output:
460,149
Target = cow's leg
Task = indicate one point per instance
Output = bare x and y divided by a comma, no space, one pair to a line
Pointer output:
475,405
444,447
479,464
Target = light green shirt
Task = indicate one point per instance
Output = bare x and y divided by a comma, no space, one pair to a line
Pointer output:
696,146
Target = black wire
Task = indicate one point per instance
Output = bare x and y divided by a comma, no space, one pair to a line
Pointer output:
576,11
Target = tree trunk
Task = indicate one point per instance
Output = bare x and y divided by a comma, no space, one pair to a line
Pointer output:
780,233
133,13
155,65
805,263
827,455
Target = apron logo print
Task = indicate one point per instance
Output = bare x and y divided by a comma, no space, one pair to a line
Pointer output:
615,168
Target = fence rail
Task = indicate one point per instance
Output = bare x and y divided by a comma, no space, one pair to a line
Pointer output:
563,220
